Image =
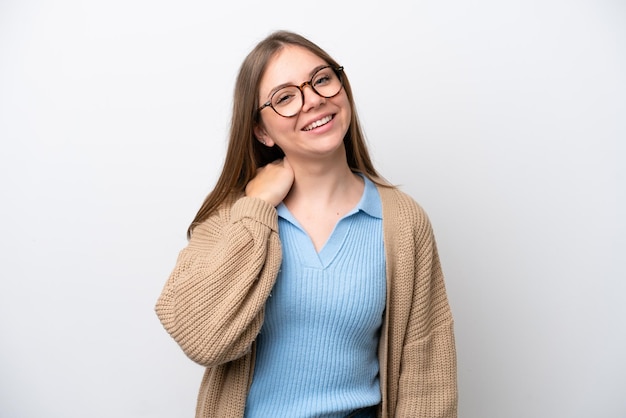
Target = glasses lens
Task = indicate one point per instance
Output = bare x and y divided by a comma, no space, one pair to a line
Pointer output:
287,101
326,82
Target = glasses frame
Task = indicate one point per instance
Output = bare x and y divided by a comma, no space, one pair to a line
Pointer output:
338,71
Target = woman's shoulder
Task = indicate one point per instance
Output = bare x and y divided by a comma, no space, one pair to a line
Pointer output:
399,203
221,212
402,215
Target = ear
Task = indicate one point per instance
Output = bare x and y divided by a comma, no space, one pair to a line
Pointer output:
262,136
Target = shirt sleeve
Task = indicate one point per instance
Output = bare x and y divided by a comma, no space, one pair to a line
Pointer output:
213,301
428,380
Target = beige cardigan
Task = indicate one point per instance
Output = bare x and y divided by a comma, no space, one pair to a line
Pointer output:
213,305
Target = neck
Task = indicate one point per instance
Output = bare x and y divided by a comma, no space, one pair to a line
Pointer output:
318,184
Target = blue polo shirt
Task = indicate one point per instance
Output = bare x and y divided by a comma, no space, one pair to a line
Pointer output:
317,351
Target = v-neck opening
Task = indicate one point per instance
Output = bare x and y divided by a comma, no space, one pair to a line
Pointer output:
333,244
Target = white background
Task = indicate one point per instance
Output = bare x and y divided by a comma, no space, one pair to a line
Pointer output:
506,120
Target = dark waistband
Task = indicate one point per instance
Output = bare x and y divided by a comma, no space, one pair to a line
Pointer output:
366,412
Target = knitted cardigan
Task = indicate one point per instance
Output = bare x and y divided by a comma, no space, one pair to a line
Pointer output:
213,305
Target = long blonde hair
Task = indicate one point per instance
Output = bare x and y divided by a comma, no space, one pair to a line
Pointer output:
245,154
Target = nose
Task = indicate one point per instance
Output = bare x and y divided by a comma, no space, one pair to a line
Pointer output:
310,98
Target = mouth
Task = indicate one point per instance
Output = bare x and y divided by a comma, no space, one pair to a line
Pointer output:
318,123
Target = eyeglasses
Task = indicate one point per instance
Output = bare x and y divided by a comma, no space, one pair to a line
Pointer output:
288,101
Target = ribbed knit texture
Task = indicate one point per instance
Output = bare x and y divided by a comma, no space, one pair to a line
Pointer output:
317,351
213,306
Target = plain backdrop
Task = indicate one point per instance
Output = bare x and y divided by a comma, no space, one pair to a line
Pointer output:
506,120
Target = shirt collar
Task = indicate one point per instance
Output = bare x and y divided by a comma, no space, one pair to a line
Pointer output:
370,201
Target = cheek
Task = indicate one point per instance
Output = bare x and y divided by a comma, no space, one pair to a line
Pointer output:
277,126
347,108
342,100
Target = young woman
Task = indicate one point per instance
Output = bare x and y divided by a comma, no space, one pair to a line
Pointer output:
309,286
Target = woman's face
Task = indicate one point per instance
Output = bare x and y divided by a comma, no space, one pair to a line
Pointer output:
317,131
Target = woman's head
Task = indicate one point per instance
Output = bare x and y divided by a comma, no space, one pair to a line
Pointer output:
245,154
305,112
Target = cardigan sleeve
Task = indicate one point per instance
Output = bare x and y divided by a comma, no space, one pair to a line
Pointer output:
428,381
213,301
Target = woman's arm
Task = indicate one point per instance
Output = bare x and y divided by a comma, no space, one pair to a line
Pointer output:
213,302
428,379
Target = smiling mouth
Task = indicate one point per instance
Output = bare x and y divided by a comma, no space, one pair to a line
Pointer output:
318,123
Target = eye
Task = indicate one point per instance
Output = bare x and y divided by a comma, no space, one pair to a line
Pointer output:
323,77
283,97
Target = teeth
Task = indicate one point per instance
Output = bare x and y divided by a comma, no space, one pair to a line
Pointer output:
317,123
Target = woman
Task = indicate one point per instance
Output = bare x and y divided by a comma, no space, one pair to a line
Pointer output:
309,287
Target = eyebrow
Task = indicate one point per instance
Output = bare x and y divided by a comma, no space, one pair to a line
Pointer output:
311,74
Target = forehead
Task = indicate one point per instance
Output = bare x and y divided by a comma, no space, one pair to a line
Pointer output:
291,65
